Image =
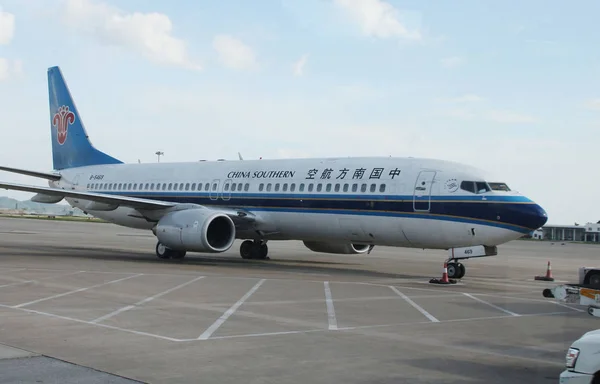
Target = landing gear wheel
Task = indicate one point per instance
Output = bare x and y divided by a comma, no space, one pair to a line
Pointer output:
254,250
262,252
453,270
461,271
166,253
246,249
162,251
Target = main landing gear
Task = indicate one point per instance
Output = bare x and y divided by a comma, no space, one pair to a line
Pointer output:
456,270
256,250
167,253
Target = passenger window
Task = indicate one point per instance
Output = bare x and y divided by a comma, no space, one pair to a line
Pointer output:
319,187
261,187
284,187
292,187
276,187
269,187
345,187
363,188
337,187
152,186
119,186
373,187
129,186
226,187
193,186
310,187
187,186
301,189
382,188
214,187
246,187
233,186
170,187
207,187
354,187
328,188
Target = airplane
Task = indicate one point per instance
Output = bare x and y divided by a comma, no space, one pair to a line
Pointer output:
333,205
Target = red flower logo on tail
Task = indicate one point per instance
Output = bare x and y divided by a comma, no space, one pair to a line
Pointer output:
61,121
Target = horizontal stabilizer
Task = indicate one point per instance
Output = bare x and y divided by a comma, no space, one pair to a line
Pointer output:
41,175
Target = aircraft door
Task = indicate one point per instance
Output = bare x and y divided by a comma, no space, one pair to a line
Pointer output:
214,189
75,182
422,191
226,192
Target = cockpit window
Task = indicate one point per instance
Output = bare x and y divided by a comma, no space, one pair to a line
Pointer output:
499,187
475,186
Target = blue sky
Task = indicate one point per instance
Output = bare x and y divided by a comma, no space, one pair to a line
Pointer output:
511,87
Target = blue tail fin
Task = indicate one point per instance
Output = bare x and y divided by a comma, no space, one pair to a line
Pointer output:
70,144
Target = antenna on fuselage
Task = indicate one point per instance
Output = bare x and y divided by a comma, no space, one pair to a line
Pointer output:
240,156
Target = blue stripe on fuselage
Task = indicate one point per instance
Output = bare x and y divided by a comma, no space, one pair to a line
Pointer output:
516,213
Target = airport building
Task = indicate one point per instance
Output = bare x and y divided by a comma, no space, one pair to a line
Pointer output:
589,232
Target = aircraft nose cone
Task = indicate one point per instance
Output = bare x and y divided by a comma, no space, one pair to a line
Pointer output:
537,217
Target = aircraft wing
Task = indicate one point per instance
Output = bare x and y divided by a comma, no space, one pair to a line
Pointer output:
42,175
133,202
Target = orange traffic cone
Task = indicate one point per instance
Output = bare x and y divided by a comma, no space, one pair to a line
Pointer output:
548,276
444,279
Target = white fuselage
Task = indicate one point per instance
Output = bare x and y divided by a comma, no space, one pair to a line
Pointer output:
402,202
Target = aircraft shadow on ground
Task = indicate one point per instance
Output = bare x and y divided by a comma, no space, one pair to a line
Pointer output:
273,265
469,371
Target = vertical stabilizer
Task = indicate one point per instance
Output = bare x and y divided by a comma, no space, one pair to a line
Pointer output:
71,146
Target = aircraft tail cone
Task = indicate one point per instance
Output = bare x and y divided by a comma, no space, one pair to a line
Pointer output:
548,276
444,279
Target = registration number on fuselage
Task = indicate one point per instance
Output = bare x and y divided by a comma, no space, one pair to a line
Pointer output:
96,177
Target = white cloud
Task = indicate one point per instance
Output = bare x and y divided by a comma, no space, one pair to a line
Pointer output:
7,27
299,65
148,34
233,53
10,68
452,62
377,18
593,104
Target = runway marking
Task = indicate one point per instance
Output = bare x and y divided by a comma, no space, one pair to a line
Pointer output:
144,301
530,299
43,278
229,312
263,334
491,305
74,291
415,305
90,323
330,309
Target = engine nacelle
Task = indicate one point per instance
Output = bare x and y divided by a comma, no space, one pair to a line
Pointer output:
196,230
344,248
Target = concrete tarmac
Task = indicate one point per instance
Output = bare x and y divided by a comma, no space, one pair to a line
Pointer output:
95,296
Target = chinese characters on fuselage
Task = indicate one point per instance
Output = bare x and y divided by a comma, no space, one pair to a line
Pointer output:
356,174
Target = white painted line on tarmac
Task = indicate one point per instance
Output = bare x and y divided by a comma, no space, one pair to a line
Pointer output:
330,309
144,301
74,291
415,305
491,305
530,299
229,312
264,334
43,278
90,323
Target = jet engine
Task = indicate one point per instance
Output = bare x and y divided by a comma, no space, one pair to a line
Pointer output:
196,230
344,248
